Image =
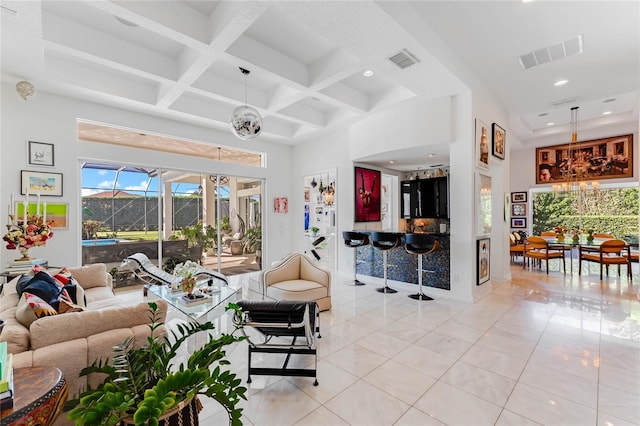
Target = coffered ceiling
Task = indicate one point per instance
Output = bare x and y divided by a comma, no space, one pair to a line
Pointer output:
180,59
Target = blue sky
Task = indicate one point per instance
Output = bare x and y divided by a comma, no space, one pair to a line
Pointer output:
97,180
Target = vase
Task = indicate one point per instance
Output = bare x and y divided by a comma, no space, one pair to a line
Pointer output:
25,253
183,414
576,238
561,237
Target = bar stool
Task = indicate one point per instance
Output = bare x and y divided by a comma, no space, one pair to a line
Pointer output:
385,241
355,240
420,244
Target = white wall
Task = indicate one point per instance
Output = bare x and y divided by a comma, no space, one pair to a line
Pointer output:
52,119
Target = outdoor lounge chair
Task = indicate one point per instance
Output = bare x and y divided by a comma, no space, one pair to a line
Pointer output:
140,265
276,322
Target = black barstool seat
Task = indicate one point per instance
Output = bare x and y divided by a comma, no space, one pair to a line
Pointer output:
385,241
420,244
354,240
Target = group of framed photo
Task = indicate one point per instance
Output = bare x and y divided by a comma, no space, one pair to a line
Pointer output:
518,209
36,182
498,143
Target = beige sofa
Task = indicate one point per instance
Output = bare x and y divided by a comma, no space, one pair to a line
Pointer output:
297,277
72,341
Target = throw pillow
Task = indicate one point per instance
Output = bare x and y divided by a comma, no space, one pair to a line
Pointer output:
31,307
65,307
43,286
72,290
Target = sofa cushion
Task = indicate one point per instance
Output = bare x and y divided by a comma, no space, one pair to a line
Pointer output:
15,334
297,290
31,307
90,276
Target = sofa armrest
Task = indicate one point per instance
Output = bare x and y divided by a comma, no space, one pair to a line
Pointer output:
61,328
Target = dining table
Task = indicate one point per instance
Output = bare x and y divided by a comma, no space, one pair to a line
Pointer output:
562,243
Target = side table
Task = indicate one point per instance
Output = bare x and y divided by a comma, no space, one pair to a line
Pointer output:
40,394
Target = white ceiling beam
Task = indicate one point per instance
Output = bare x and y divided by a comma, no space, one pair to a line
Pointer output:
170,19
332,68
95,44
255,52
305,115
99,80
226,24
348,96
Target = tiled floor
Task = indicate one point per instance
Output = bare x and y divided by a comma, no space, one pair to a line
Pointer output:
541,349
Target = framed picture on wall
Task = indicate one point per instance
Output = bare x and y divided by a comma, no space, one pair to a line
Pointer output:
499,141
519,222
55,214
519,210
41,154
307,194
482,145
483,262
606,158
483,204
40,183
518,197
280,205
367,194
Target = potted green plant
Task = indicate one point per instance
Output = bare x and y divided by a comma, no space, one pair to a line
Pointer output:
252,239
313,231
143,385
204,238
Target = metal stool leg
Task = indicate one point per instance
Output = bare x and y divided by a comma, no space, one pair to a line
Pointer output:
420,295
355,266
386,288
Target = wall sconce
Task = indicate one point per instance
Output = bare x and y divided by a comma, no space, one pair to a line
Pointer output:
25,89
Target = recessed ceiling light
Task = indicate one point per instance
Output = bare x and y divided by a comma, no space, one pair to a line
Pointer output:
368,73
606,113
551,123
560,82
126,22
391,162
431,155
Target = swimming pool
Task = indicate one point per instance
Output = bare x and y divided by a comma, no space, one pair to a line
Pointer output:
101,242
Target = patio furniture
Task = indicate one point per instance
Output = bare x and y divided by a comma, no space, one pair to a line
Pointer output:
140,265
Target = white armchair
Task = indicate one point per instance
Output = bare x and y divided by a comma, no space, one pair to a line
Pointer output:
297,277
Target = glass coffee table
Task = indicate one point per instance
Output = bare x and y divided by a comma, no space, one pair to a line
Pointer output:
212,307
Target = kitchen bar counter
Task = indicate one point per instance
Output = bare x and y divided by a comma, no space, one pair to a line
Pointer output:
403,266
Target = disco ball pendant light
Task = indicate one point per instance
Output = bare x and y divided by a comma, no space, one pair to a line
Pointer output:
245,122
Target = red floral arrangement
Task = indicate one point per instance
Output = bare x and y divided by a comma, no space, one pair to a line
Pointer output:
35,233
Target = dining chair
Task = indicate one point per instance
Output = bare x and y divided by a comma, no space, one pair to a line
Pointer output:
603,235
610,252
548,234
538,248
516,247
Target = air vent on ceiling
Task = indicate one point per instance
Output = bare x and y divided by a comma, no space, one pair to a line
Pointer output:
570,47
562,102
404,59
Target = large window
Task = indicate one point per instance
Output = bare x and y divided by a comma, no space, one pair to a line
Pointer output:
610,210
171,215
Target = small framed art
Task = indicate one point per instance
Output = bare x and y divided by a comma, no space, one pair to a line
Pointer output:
280,205
482,145
55,214
41,154
519,222
498,142
518,197
483,260
519,210
39,182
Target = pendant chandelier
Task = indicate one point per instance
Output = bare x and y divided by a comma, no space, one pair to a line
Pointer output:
577,163
245,122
